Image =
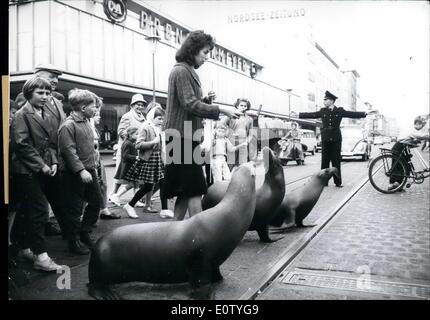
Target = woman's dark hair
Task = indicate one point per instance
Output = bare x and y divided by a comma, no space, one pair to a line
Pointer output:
238,101
195,42
35,83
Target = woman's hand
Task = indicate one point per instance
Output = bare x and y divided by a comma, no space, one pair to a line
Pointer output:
230,112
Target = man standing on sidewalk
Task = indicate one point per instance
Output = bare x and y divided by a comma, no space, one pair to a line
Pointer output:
331,137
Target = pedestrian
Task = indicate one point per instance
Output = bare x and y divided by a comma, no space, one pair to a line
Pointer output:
291,148
418,133
133,118
240,133
220,146
128,158
184,114
331,136
54,108
78,166
105,214
157,119
148,169
34,164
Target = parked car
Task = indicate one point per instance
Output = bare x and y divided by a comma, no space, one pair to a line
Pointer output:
355,144
309,141
378,140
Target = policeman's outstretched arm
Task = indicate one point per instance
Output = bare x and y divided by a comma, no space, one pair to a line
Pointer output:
310,115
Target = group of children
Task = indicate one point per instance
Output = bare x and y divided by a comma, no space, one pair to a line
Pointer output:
54,164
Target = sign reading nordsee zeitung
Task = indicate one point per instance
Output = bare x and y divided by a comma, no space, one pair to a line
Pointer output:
266,15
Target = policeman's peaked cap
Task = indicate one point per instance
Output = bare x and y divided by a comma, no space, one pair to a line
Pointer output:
329,95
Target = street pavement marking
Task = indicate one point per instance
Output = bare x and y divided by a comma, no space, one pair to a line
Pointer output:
327,280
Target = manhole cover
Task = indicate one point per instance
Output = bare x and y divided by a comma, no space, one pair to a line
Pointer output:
357,284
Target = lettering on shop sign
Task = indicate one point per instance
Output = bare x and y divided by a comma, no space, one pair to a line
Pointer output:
162,28
266,15
115,10
175,35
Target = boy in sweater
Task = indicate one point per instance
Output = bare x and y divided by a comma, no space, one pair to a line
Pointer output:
78,166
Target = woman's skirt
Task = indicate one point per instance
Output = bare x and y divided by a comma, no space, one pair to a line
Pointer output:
185,179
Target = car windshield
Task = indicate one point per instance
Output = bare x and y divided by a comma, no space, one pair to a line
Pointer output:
352,133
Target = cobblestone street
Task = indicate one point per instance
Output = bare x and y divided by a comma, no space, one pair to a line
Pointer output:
384,236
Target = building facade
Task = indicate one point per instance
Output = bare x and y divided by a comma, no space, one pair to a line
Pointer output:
103,46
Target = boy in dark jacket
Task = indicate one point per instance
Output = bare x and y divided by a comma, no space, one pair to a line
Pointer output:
78,165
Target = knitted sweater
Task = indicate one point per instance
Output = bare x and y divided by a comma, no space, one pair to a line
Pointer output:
184,101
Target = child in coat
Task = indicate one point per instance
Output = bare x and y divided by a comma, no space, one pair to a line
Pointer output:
148,170
220,146
128,158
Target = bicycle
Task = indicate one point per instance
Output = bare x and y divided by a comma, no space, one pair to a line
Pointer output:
391,165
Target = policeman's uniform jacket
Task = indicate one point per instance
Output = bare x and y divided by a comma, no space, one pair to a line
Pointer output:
331,119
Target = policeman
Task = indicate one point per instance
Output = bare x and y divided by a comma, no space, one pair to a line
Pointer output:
331,137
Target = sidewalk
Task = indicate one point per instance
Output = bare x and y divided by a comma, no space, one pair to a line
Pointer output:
377,247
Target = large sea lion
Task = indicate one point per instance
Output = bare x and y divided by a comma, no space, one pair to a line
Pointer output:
297,204
269,195
175,251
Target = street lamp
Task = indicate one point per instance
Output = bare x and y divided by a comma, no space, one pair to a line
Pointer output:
289,103
154,38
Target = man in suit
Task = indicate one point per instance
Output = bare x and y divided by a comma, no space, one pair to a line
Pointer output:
53,108
331,136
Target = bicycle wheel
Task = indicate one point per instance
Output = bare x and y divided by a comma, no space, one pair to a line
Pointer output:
381,169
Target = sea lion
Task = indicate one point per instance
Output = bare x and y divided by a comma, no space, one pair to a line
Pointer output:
297,204
175,251
269,195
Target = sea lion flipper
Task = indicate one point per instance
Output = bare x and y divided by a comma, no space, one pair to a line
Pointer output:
301,225
263,233
216,275
102,292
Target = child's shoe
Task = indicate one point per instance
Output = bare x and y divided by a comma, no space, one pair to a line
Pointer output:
167,214
130,211
46,264
115,199
393,185
139,204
